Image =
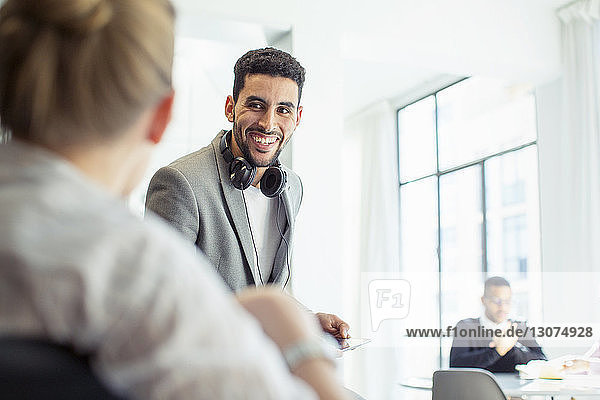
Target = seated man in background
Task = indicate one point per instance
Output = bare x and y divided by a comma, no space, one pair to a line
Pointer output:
477,348
85,91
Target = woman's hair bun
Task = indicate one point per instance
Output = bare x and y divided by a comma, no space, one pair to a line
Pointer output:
73,16
81,71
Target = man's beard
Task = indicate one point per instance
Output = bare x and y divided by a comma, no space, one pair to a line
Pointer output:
243,145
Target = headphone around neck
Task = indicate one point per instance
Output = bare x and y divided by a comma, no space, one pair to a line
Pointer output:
242,172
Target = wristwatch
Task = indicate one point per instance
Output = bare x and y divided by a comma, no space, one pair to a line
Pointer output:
309,349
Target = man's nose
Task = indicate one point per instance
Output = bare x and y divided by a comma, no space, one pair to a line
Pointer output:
267,120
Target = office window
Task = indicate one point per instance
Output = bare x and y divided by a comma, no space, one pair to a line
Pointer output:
417,132
478,118
473,145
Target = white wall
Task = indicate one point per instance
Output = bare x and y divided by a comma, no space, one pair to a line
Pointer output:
317,159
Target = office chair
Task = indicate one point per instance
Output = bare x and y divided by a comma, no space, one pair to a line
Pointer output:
36,369
466,384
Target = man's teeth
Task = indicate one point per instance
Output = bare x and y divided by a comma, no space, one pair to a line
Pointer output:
263,140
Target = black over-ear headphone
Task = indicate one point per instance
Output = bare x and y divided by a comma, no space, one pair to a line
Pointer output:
242,173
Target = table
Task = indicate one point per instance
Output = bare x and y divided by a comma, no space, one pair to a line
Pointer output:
574,385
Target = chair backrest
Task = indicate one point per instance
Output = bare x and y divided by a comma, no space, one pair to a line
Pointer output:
466,384
37,369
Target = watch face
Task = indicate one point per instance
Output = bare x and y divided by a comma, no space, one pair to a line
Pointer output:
351,343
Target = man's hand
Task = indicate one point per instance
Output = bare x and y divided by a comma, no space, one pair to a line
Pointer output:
503,344
334,325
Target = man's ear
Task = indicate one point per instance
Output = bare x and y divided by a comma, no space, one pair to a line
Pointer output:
161,118
229,106
298,116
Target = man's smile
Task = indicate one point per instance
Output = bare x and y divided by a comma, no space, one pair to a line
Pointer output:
261,142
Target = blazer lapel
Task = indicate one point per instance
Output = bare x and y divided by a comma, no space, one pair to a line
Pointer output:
235,204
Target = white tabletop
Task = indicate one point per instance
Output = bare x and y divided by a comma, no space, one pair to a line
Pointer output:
512,385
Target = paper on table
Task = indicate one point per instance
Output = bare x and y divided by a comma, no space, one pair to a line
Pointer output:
540,369
581,383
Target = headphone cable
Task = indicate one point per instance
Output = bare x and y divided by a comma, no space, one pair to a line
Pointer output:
287,246
252,236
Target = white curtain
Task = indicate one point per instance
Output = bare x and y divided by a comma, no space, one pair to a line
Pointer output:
579,180
374,131
371,243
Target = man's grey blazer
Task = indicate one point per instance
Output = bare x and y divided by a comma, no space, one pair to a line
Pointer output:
194,194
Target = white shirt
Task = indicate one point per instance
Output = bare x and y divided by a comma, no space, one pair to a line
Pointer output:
489,324
76,267
262,212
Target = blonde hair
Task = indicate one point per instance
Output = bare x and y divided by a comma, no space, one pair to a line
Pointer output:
81,71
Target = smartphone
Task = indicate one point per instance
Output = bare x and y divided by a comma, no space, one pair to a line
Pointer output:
351,343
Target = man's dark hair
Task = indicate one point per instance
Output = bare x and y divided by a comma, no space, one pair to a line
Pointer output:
268,61
494,281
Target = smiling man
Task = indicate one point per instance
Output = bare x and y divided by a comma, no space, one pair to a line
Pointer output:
233,198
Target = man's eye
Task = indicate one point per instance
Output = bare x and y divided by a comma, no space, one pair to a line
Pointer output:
284,110
256,106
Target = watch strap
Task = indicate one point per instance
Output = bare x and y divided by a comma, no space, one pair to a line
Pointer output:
307,349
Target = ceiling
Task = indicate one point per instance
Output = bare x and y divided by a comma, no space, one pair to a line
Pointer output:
408,71
415,39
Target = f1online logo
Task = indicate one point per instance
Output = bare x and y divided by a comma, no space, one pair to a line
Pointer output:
388,299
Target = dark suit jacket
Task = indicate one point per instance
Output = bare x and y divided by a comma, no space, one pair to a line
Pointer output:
474,352
195,195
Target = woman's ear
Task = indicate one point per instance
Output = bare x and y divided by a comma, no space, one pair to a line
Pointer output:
161,118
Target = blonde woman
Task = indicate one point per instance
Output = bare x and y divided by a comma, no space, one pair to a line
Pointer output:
85,92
